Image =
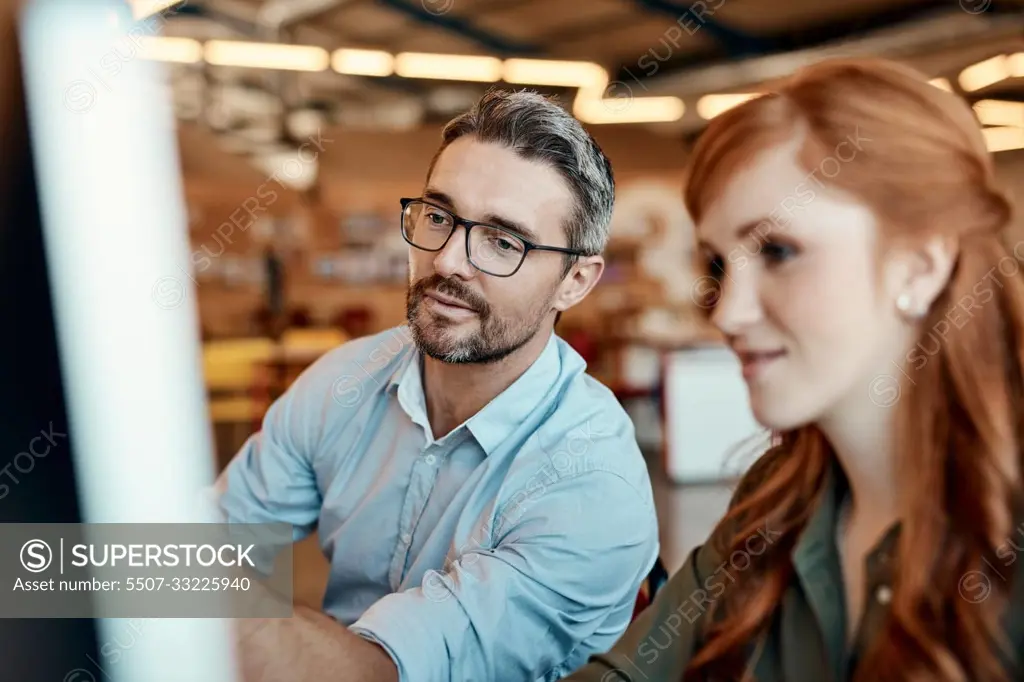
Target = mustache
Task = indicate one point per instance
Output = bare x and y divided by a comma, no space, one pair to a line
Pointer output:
453,288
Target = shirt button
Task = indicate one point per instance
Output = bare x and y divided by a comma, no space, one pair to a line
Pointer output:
883,594
431,459
406,539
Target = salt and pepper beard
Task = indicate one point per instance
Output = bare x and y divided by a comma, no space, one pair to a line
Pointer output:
495,339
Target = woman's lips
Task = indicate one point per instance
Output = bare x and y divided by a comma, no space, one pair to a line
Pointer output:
754,363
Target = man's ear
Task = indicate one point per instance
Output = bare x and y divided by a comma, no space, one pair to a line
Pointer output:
575,286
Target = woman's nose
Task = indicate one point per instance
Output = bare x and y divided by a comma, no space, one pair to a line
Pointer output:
738,305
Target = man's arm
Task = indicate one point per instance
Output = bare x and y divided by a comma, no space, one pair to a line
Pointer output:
570,554
271,479
566,565
309,646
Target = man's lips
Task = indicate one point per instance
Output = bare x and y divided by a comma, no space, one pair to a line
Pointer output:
449,301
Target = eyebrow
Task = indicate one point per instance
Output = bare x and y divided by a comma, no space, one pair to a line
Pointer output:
439,197
742,232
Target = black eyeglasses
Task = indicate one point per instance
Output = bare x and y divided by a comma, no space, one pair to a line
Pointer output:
490,249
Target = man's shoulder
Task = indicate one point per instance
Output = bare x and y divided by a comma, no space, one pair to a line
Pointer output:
374,356
586,431
348,375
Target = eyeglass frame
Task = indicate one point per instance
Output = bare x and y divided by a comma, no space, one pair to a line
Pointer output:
458,220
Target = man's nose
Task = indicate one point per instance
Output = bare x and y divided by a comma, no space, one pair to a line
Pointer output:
451,260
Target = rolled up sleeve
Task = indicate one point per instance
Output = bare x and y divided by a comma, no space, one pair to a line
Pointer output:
566,566
663,639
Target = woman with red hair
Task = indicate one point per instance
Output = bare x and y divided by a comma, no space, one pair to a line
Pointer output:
859,264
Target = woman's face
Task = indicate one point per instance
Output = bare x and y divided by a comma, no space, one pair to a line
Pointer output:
799,302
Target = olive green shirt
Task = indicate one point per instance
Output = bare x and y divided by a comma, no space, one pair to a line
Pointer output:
807,641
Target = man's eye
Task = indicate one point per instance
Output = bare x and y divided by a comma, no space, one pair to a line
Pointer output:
438,219
503,244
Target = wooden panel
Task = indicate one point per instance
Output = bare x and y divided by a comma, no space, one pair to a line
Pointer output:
751,15
365,19
434,40
530,21
630,42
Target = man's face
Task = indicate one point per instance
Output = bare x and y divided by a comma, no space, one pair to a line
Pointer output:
459,314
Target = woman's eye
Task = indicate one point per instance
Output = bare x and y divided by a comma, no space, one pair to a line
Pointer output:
775,252
715,266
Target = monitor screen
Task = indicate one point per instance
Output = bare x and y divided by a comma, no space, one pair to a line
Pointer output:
104,411
37,480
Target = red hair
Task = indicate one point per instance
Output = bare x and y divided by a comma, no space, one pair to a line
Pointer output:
923,168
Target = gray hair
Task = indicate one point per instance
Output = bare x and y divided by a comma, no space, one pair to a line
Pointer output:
536,127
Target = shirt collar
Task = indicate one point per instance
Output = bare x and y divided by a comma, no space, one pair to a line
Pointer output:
510,408
500,417
818,536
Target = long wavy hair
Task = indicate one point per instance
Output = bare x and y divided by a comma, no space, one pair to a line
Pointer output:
916,155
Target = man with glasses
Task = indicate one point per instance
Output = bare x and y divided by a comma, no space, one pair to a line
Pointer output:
482,501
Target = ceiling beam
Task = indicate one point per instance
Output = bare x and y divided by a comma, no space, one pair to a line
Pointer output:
735,42
929,33
492,42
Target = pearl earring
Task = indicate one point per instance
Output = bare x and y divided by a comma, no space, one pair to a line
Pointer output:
906,306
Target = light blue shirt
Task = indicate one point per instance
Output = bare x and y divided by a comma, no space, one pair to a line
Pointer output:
510,549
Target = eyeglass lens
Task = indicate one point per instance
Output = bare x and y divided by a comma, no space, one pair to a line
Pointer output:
491,249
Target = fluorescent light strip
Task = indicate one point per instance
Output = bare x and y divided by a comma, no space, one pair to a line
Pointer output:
994,112
363,62
991,71
1003,139
557,73
267,56
590,79
448,67
628,110
710,106
179,50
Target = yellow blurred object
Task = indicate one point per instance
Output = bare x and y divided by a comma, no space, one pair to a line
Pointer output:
232,364
233,410
230,367
312,339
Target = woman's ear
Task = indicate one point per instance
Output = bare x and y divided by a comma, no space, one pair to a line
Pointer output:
917,275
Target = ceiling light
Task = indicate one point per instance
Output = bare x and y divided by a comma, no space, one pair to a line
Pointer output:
451,67
994,112
631,110
363,62
267,55
163,49
710,106
990,71
553,72
1003,139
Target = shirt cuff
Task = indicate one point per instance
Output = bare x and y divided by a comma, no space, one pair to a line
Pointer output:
370,636
410,642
